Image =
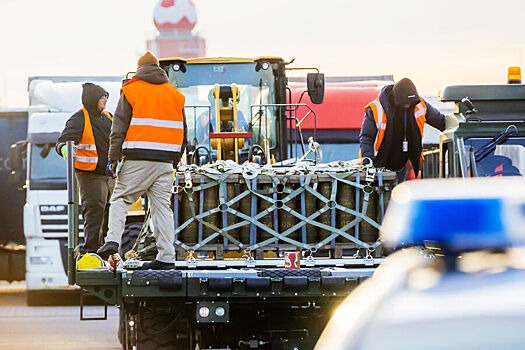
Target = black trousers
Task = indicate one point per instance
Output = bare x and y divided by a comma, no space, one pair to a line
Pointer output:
95,191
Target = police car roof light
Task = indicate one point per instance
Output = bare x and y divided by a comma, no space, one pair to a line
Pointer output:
457,214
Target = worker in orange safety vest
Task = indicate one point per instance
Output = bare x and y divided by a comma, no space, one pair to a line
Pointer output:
89,128
149,136
392,129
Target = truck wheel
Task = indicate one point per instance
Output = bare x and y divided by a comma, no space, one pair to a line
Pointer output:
129,237
157,331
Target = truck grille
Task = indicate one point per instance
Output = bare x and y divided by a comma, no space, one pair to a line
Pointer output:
53,219
56,226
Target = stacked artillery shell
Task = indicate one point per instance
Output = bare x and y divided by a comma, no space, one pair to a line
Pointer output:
211,201
245,207
266,220
325,189
232,218
310,206
286,219
189,234
345,198
367,232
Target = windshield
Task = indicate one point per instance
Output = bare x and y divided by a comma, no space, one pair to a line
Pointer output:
331,152
255,88
505,159
48,169
339,151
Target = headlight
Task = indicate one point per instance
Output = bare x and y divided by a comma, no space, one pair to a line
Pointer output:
220,311
204,311
40,260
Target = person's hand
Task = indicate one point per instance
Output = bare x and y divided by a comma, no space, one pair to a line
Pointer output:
111,168
451,121
63,151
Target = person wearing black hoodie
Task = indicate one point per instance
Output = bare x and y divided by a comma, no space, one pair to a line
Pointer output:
148,136
392,129
89,128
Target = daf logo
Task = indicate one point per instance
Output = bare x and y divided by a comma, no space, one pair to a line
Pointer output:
52,209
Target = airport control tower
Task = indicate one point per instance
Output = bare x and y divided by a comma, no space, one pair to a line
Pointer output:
175,20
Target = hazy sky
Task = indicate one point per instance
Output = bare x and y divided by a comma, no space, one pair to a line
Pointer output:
435,43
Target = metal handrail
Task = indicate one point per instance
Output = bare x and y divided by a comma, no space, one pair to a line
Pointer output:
72,213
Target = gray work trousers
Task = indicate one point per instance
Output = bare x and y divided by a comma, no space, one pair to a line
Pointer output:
134,178
95,192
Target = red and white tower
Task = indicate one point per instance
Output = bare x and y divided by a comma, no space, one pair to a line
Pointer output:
175,20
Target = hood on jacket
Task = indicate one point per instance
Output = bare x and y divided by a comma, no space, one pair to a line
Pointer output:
91,93
151,73
405,93
386,97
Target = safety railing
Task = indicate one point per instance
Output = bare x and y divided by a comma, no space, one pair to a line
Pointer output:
430,166
72,213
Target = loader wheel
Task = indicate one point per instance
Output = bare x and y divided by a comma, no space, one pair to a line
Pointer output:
129,237
158,330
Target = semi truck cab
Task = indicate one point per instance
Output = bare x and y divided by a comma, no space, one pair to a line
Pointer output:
52,100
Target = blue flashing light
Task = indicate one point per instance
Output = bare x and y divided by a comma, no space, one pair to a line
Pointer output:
457,224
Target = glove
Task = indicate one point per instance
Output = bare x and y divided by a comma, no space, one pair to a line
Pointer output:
111,168
451,121
63,151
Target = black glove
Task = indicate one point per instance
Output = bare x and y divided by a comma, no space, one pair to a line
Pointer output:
111,168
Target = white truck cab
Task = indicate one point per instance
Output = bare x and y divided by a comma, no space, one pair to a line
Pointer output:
52,100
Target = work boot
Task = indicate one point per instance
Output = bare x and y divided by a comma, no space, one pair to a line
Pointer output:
157,265
83,249
109,248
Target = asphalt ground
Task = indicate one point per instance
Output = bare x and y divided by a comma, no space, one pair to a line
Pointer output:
53,324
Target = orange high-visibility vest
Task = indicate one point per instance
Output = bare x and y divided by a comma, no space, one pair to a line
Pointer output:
420,113
157,120
87,157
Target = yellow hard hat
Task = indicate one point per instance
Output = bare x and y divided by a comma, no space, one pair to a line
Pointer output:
89,261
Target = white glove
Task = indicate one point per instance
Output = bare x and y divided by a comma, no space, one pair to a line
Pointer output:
451,121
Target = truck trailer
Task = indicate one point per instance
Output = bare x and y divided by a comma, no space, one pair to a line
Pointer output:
268,238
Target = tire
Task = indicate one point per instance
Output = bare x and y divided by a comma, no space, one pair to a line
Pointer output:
129,237
156,331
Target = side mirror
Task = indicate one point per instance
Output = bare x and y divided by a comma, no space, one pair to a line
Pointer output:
470,106
16,179
16,165
315,86
14,162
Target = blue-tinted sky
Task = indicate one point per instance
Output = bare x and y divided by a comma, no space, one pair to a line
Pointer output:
433,42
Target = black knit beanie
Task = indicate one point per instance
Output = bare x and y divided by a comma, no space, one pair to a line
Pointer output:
405,93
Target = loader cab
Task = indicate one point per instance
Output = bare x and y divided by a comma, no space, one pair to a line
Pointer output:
257,86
